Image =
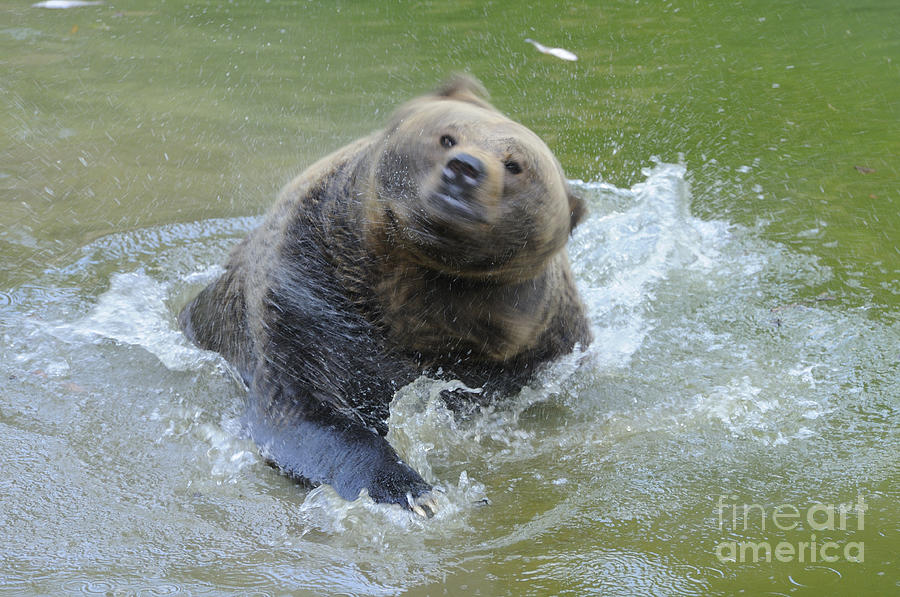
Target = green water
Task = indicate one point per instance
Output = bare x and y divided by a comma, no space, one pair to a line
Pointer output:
741,266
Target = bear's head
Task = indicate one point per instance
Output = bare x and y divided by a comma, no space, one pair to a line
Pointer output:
462,189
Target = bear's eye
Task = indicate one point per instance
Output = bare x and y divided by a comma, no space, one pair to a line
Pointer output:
512,167
447,141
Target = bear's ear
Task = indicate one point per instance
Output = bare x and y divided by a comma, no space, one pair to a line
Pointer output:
464,88
577,208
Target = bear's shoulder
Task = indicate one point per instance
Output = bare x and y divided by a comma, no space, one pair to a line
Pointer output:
308,185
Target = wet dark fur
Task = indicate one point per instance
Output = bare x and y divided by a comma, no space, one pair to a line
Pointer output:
328,308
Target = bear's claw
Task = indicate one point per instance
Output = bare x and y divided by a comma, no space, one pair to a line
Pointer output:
425,505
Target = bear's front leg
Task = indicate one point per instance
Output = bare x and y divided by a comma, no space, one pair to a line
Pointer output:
307,438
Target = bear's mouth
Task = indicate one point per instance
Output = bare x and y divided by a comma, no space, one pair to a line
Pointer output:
451,205
452,220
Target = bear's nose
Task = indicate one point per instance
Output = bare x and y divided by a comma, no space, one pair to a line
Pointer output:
464,170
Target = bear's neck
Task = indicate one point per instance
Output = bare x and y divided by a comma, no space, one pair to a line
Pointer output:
440,316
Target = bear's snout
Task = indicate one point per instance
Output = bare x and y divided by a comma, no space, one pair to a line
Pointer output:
463,170
456,199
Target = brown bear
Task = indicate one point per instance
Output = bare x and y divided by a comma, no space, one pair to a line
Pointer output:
436,246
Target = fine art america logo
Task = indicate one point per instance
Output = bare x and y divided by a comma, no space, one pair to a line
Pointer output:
830,521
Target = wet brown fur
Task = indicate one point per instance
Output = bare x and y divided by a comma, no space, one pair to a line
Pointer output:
362,276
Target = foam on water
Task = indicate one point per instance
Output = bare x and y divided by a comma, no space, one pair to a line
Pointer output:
706,311
633,239
134,311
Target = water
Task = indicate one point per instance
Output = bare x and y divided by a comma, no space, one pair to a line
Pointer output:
742,289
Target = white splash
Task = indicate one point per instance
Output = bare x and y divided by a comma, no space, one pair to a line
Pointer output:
753,412
629,244
557,52
133,311
59,4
